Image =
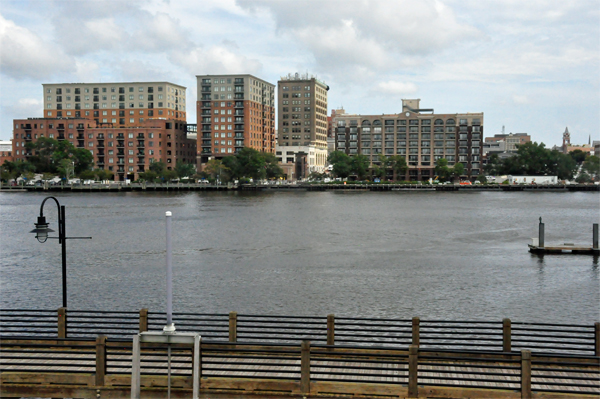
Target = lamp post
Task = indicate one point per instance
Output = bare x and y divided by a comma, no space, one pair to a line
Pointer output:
41,233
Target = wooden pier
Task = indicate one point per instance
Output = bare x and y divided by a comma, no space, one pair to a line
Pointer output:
59,354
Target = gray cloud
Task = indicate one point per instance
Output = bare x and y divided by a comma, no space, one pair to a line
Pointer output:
24,54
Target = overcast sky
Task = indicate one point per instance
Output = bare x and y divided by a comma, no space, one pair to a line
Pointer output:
531,65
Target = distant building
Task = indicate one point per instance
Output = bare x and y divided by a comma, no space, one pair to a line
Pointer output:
567,147
123,104
419,135
596,146
125,151
6,151
510,140
302,123
126,126
233,112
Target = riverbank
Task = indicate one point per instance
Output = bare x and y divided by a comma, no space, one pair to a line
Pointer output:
116,187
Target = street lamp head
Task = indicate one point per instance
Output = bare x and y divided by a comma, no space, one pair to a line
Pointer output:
41,229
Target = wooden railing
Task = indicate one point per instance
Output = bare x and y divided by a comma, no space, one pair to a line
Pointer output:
101,367
502,336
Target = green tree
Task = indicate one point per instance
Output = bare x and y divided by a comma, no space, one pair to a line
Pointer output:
398,164
384,164
341,164
578,156
158,168
458,170
185,169
442,170
149,176
48,153
482,178
66,169
216,169
359,165
251,163
232,164
583,178
272,168
494,165
103,174
592,166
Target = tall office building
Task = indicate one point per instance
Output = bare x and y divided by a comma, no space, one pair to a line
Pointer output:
302,124
122,104
233,112
419,135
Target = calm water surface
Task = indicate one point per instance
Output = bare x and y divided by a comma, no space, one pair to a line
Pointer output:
398,254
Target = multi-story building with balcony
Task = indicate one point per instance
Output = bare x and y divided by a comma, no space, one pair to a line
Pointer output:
123,104
126,126
126,151
233,112
419,135
302,121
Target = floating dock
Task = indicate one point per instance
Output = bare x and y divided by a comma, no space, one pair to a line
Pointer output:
538,246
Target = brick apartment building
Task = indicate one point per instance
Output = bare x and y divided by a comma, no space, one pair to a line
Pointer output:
233,112
6,153
419,135
124,137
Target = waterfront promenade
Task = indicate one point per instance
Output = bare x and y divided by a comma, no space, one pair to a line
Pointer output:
53,353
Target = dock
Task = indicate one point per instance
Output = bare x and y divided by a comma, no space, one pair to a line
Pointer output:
538,246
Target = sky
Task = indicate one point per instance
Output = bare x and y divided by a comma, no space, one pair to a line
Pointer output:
531,66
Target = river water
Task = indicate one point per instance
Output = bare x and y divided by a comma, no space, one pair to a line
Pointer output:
386,254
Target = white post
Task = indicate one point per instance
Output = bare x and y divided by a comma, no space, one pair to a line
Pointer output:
196,371
135,368
170,327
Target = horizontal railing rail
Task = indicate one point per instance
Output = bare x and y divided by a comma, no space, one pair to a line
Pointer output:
409,368
499,336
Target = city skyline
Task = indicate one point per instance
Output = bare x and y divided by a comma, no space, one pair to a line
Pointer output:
532,67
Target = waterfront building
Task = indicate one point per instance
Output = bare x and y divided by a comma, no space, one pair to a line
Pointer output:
126,151
510,141
419,135
302,123
233,112
123,104
6,151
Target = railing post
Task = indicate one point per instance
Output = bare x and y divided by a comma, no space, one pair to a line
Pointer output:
305,368
416,331
506,335
330,329
143,320
525,374
100,360
413,361
232,326
597,339
62,322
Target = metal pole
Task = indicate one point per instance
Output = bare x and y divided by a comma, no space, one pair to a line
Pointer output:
595,236
541,234
169,327
62,236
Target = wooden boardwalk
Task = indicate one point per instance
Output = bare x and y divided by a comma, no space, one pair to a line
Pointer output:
356,370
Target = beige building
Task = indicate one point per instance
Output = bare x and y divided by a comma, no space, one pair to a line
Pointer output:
233,112
123,104
510,140
302,123
419,135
